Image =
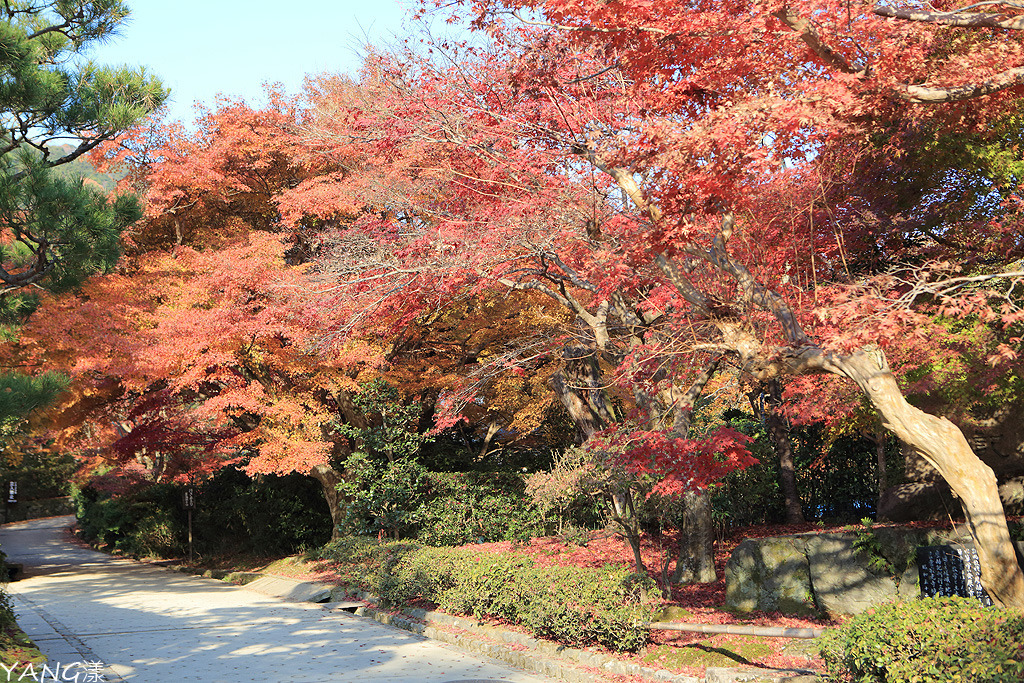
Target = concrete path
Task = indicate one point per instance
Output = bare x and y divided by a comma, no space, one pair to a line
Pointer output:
151,625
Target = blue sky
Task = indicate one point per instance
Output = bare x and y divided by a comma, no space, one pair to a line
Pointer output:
200,48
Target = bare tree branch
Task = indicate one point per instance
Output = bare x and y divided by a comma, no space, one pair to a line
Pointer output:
805,29
965,19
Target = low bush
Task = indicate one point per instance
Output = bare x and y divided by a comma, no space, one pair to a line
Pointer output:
472,507
364,561
575,606
945,640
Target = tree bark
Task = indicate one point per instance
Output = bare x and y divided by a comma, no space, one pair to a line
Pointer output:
778,431
944,446
695,562
625,516
579,389
329,480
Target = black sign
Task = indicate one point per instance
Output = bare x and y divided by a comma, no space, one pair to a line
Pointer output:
947,571
189,498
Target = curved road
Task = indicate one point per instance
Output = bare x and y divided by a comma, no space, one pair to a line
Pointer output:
150,625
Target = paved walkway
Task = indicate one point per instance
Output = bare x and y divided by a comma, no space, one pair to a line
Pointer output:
150,625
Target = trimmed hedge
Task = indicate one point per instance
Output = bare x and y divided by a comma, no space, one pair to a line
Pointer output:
574,606
934,639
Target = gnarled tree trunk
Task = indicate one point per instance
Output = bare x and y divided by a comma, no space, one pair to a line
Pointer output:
329,480
944,446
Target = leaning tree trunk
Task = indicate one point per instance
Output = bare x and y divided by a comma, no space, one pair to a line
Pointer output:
329,479
943,445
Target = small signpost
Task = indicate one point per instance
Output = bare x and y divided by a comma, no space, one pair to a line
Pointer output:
947,571
189,503
12,499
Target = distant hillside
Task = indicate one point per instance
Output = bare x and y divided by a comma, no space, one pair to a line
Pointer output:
81,168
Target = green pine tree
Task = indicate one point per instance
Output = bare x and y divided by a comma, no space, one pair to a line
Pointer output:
56,106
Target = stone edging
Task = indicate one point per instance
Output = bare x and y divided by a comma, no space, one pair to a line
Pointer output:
545,657
511,647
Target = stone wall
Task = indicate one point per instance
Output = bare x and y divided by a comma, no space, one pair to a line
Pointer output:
810,573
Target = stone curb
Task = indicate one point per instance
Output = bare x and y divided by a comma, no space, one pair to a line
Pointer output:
519,649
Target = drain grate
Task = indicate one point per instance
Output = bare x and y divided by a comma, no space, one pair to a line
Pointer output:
349,607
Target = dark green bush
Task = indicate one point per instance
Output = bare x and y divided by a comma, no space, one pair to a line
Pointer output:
267,516
953,640
382,497
575,606
7,616
477,507
147,522
40,474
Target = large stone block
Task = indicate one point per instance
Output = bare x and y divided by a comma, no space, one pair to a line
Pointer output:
770,574
842,580
803,573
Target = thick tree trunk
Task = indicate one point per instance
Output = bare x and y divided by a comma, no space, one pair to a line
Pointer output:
329,480
695,562
580,389
778,430
943,445
769,407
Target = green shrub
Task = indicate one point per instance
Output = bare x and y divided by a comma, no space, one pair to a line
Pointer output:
382,497
575,606
142,523
41,474
477,507
362,559
7,617
935,639
267,516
